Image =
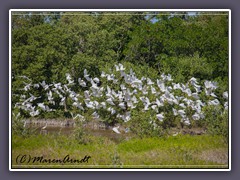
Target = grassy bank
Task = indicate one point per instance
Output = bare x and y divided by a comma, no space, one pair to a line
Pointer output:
183,151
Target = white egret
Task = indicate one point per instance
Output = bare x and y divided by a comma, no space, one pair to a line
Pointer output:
89,104
213,95
110,101
160,117
175,113
181,112
226,105
186,121
177,86
196,116
117,67
36,85
127,116
87,94
103,74
153,90
78,105
115,129
225,95
82,82
197,88
44,127
121,68
195,96
95,115
42,106
103,105
214,102
27,86
193,81
79,116
96,80
210,85
69,78
122,105
62,101
158,102
86,75
161,85
113,111
149,81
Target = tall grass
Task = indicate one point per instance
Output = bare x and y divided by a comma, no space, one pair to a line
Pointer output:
183,151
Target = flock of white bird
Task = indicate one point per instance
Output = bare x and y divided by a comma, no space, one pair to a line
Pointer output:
120,93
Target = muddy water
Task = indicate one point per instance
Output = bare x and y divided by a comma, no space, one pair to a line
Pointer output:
69,130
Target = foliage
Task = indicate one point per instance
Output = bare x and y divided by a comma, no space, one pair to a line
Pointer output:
47,46
19,127
217,122
143,124
171,152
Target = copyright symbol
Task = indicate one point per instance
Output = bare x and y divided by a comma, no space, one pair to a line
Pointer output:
22,158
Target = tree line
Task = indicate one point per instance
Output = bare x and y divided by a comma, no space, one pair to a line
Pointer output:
47,45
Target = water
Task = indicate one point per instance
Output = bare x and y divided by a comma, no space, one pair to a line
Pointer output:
95,132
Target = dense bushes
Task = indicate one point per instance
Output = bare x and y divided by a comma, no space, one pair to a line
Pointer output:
183,46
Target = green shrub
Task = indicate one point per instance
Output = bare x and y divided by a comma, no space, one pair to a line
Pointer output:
216,121
143,124
19,126
80,134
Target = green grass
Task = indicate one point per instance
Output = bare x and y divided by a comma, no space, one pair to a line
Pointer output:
183,151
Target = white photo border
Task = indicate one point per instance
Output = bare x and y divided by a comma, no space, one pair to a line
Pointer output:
118,10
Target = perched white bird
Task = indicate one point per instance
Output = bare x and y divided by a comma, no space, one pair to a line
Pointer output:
182,105
87,94
69,78
213,95
113,111
175,113
110,101
103,74
117,67
96,80
86,75
78,105
121,68
181,112
103,105
78,116
225,95
214,102
210,85
122,105
34,113
226,105
195,96
196,116
95,115
115,129
153,90
36,85
127,116
186,121
44,127
160,117
42,106
149,81
82,82
89,104
193,81
161,85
